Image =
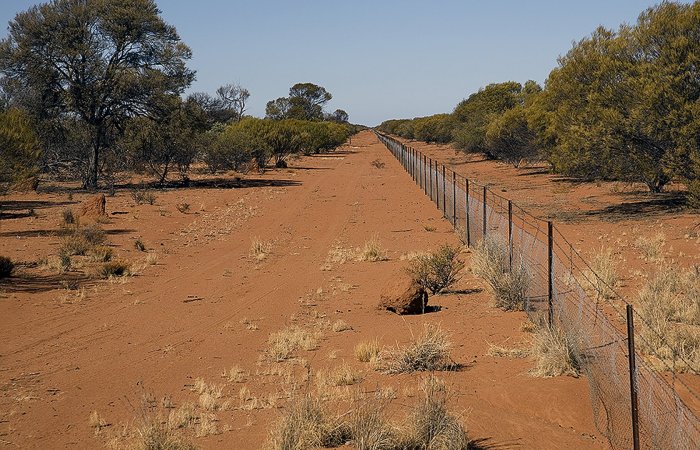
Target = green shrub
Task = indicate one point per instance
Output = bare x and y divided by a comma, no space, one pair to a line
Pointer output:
438,270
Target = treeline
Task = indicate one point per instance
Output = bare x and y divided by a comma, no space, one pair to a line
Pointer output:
91,89
621,105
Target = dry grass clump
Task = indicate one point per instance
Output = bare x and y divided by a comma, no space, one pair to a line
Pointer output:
141,196
557,352
669,319
235,374
340,325
101,253
436,271
490,261
6,266
283,343
372,251
305,424
367,351
113,269
603,278
260,249
369,428
651,247
343,375
430,351
156,435
432,426
499,351
80,240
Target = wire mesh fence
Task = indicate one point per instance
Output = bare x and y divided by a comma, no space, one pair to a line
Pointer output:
563,293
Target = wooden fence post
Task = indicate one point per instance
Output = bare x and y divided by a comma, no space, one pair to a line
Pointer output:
633,377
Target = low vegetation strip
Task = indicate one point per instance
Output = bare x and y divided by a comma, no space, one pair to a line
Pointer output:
571,304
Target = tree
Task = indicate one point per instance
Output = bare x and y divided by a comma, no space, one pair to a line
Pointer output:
623,105
19,147
173,139
233,97
307,100
474,114
339,116
509,138
102,61
277,109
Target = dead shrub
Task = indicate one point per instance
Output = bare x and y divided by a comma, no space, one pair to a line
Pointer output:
372,251
368,426
68,217
436,271
6,267
602,278
430,351
377,164
343,375
490,261
669,325
556,352
101,253
260,249
305,424
81,240
156,435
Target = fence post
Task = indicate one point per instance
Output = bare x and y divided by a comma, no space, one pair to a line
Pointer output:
633,377
425,175
430,179
444,193
550,273
510,235
483,231
466,195
454,200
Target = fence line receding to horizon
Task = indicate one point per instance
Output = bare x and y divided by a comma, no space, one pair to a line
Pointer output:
634,406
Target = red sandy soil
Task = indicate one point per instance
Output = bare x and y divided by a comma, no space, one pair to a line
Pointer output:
207,305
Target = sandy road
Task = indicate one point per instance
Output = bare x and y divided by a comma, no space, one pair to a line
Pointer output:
181,319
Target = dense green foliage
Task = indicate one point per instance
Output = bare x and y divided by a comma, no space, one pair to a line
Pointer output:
19,147
305,102
252,142
96,62
621,105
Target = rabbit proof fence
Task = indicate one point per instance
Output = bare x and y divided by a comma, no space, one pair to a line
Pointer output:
634,406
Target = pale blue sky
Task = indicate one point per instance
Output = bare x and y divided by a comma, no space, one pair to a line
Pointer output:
379,59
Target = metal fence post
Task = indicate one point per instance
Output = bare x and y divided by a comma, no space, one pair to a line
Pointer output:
483,231
425,175
510,235
454,200
466,195
430,179
633,377
550,273
444,193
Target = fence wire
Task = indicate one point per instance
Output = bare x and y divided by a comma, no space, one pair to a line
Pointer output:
596,322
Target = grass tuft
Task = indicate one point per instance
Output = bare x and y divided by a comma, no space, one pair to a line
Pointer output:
490,261
557,352
372,251
430,351
284,343
651,247
114,269
367,351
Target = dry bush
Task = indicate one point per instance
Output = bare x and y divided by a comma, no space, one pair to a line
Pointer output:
141,196
436,271
151,259
340,325
305,424
260,249
115,269
101,253
284,343
430,351
372,251
6,266
557,352
81,240
602,278
367,351
235,374
156,435
432,426
669,319
68,217
490,261
651,247
377,164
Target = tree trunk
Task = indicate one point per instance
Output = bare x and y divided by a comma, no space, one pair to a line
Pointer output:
93,169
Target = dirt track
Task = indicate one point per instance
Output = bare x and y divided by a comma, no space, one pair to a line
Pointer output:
62,357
